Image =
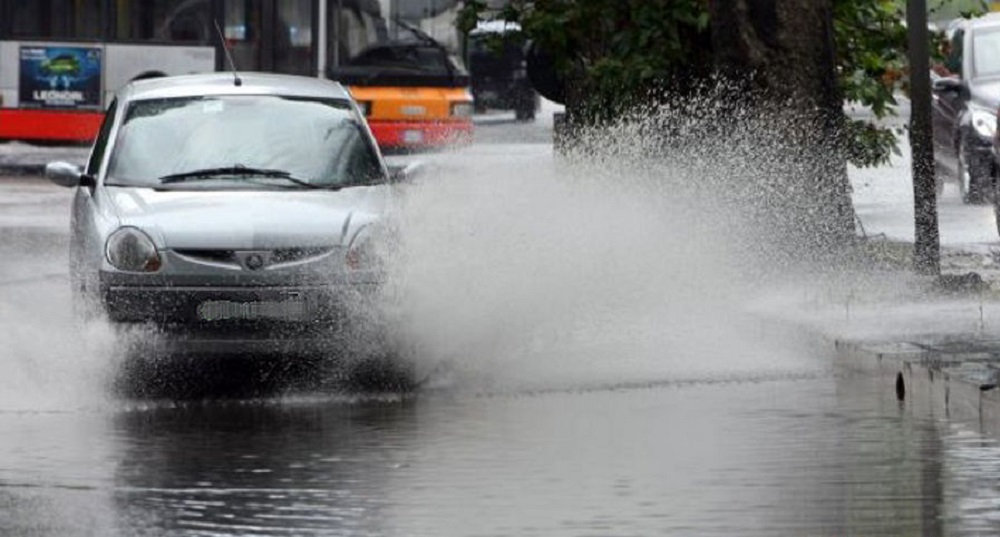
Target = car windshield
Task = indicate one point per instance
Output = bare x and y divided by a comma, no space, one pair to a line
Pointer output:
319,142
986,52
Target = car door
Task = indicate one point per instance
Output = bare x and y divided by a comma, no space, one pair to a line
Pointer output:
85,246
947,105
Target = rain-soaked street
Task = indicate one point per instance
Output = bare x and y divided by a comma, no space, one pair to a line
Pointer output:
575,401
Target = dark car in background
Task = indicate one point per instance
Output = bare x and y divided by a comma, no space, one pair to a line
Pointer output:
966,93
497,59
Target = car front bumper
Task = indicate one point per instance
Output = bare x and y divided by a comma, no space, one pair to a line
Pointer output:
420,134
238,320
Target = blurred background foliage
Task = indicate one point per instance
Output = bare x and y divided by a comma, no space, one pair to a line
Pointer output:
613,55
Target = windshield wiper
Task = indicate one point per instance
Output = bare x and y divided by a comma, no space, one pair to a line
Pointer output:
243,172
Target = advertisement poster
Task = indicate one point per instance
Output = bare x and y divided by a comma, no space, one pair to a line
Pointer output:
60,77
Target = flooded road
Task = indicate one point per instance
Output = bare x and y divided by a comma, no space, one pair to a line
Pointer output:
604,412
807,456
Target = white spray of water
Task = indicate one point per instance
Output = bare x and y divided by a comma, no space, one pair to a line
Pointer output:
51,362
663,248
48,361
536,273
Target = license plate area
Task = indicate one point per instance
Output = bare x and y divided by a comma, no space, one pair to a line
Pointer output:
253,310
411,136
413,110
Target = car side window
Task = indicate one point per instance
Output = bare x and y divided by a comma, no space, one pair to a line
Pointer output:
101,143
954,60
362,165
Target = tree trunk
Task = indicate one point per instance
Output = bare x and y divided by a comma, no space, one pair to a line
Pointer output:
784,52
927,242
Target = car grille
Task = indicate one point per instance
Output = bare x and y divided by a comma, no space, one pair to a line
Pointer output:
280,256
215,256
291,255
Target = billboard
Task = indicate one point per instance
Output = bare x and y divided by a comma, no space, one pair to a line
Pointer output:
60,77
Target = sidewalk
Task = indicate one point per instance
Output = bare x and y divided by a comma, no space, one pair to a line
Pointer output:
955,377
938,351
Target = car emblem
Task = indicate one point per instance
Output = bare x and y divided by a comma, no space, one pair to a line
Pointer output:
254,261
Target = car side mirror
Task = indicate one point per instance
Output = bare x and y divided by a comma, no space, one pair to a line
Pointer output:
405,173
68,175
947,84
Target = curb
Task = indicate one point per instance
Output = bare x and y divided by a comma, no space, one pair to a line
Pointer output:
954,379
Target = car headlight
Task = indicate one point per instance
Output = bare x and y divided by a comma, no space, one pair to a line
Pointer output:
984,122
367,251
360,256
461,110
131,250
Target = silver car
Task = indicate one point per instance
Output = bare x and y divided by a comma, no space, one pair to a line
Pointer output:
233,215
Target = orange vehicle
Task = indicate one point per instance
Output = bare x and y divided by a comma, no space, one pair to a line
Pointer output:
414,92
426,116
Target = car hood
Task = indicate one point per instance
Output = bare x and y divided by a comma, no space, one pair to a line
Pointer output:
247,219
986,93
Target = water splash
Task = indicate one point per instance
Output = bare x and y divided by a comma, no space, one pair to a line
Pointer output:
634,256
51,361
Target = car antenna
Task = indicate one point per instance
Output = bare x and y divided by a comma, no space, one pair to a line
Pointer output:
229,56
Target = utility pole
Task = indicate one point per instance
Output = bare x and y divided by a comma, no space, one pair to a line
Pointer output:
322,29
337,28
927,241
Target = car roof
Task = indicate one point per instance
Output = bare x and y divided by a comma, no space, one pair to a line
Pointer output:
223,83
989,20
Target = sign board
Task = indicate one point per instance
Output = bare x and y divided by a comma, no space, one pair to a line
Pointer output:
60,77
